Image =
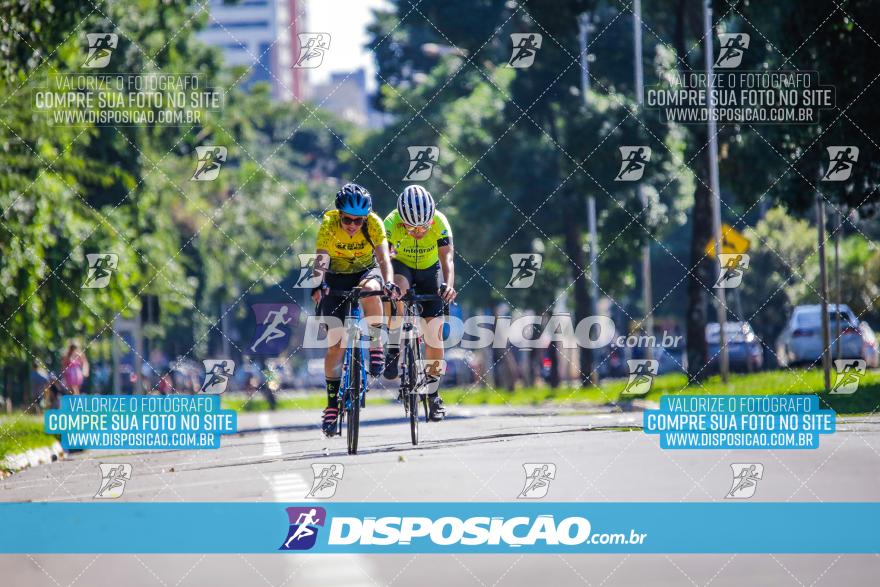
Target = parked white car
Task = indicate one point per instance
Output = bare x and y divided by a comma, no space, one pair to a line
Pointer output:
801,340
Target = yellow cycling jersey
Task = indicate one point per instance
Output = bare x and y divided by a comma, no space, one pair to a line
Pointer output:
421,253
350,254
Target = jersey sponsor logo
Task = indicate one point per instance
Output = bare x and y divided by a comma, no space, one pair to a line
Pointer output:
351,246
415,249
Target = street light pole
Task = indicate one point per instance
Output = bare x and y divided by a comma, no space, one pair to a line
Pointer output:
839,295
823,277
583,32
714,183
647,294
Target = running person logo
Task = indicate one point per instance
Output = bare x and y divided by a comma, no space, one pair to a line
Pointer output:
641,376
842,159
538,478
312,47
633,162
732,47
217,374
525,47
308,262
326,480
304,525
525,268
745,480
274,327
209,158
432,373
101,268
732,270
113,479
100,49
422,160
849,375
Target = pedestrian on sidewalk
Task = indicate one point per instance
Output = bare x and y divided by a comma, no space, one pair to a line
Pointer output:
75,368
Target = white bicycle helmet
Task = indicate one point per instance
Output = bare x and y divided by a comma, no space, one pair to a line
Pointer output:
415,206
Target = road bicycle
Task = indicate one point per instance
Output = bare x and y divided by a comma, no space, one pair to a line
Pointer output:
354,384
413,380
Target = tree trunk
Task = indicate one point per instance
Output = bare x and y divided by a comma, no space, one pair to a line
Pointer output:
574,249
700,279
553,353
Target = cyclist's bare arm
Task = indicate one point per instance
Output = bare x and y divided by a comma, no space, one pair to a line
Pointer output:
383,258
447,265
319,271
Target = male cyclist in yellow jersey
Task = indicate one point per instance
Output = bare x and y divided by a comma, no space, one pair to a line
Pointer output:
422,258
353,237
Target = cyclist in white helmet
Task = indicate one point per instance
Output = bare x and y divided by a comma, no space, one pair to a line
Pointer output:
422,258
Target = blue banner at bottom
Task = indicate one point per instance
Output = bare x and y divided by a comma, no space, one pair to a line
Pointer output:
455,527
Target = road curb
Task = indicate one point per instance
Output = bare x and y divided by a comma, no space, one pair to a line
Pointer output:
31,458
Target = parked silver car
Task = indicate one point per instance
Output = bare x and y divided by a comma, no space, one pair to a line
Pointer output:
801,340
744,350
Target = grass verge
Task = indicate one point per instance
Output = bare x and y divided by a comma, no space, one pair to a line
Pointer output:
310,401
865,400
20,433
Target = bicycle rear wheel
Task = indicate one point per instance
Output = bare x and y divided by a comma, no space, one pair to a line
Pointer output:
353,401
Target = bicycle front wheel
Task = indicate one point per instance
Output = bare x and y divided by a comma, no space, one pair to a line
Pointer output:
410,397
354,401
414,417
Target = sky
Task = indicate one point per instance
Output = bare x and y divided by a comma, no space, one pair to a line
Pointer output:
346,21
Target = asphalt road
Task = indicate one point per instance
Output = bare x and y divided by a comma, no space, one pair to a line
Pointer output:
476,455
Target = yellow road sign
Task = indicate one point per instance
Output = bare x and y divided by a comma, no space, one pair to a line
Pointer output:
732,242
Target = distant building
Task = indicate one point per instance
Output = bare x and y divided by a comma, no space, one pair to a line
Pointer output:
262,35
345,95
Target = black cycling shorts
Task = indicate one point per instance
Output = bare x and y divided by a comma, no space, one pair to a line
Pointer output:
424,281
335,305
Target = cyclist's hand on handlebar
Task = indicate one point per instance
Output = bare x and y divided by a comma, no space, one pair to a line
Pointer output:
391,290
448,293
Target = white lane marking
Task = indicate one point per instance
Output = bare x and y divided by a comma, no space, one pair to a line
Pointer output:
289,487
271,440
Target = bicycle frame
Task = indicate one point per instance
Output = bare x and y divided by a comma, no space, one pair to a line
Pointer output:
353,338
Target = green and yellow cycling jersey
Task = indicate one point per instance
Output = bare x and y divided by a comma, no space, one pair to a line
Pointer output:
350,254
418,253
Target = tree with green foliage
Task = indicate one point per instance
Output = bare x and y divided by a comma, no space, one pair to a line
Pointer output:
520,150
68,191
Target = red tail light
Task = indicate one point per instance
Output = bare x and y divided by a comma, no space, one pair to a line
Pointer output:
802,332
546,362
